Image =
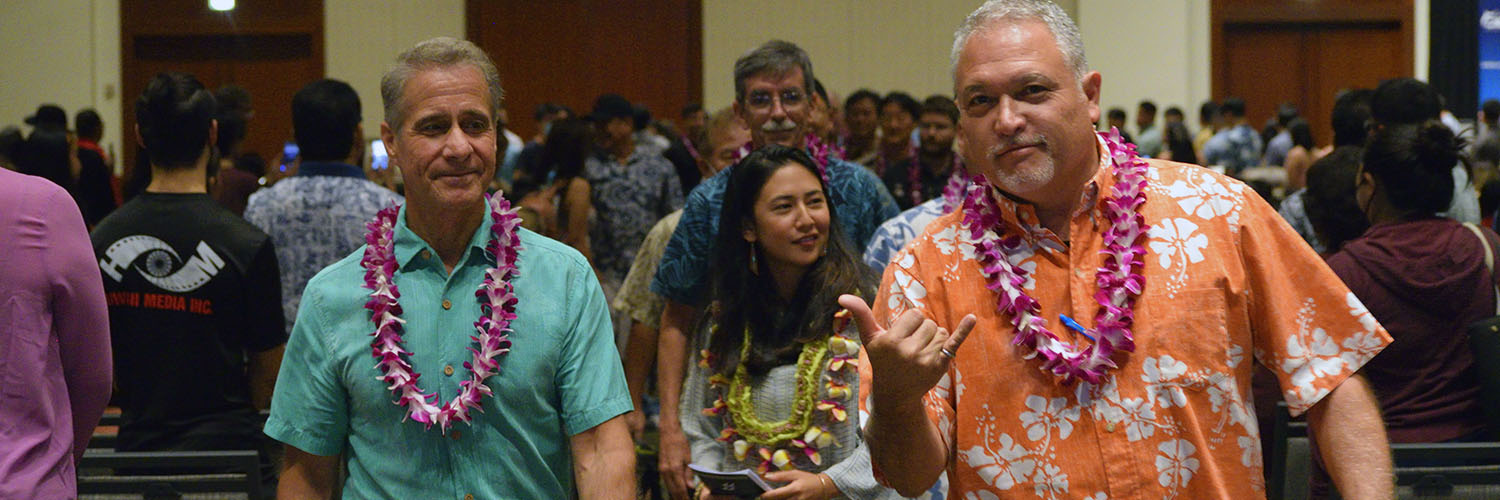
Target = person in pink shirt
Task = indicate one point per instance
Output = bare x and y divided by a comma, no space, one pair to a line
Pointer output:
54,339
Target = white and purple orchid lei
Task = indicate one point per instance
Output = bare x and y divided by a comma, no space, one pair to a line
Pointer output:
821,152
958,182
497,309
1120,280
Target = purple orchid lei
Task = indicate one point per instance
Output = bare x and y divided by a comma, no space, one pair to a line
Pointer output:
914,175
954,190
821,152
1119,280
497,309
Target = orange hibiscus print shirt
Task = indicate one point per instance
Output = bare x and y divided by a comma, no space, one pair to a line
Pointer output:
1227,283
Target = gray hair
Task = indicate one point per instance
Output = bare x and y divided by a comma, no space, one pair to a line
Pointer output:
1069,41
438,52
775,56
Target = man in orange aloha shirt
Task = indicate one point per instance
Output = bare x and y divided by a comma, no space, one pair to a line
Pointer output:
1201,278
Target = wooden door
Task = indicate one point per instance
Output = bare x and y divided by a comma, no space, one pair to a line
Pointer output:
571,51
271,48
1305,51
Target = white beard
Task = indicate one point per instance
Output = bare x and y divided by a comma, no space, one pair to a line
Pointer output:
1025,177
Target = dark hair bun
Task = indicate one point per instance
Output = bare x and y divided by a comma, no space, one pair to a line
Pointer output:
1436,147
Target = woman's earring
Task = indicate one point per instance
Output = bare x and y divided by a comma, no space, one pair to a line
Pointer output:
754,265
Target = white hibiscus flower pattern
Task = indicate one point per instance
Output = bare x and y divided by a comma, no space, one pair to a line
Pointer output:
1366,343
1311,354
1151,416
906,290
1160,374
1003,467
1202,198
1175,464
1046,415
1004,463
1205,197
1177,243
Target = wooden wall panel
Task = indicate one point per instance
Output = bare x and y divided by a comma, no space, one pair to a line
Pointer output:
1305,51
571,51
270,47
1352,56
1264,70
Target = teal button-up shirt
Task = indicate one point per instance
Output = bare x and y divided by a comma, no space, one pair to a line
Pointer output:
561,377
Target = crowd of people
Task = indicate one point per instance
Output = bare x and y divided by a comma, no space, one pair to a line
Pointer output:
1004,292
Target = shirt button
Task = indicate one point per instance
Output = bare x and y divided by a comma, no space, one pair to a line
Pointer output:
447,304
1080,273
1109,427
426,254
448,370
456,435
469,496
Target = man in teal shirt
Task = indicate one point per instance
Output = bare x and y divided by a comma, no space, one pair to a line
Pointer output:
556,413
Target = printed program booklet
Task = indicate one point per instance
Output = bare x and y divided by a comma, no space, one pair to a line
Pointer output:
742,483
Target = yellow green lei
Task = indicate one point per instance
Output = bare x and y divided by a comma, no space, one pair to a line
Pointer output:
776,442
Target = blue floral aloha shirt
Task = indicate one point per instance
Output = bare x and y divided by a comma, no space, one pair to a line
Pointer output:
314,219
894,234
628,198
1236,148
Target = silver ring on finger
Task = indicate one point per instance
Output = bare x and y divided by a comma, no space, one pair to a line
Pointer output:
947,353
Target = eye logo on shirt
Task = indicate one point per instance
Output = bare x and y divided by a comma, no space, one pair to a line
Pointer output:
161,266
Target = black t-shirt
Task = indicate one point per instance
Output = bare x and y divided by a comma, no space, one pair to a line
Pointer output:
193,290
95,194
898,181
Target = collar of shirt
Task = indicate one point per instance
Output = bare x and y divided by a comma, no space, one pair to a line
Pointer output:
91,146
409,246
329,168
637,154
1020,214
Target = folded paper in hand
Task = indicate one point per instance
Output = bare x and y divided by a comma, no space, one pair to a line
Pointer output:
742,483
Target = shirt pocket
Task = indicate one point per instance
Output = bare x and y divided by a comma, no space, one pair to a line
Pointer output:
1190,349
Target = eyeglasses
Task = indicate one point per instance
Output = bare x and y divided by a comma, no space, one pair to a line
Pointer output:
762,100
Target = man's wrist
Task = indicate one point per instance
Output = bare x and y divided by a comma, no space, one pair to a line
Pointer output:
900,410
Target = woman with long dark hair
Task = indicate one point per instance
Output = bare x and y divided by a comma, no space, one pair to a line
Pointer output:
569,142
774,387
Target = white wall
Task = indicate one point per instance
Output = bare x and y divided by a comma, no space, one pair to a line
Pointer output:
65,52
68,51
1149,49
1146,49
1422,19
362,38
883,45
